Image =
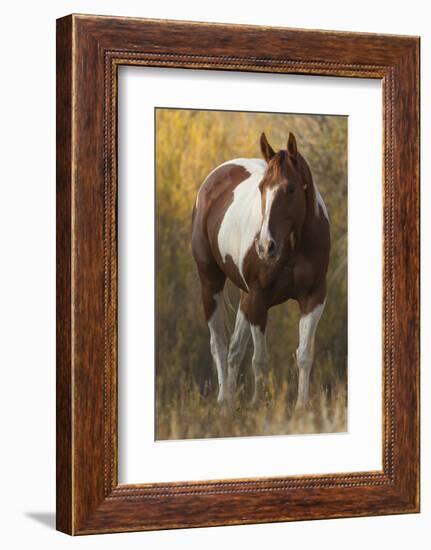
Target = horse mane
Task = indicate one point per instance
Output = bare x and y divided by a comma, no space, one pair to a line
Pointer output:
309,186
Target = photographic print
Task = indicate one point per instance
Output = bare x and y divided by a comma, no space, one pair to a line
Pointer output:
251,273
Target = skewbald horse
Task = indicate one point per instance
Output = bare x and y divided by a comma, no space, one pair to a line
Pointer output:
262,224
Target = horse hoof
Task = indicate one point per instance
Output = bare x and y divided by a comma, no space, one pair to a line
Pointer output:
226,407
257,399
225,400
299,407
260,394
302,406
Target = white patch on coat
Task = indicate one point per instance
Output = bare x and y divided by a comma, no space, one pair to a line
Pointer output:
243,218
218,342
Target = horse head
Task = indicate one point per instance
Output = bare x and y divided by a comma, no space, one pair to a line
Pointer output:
284,199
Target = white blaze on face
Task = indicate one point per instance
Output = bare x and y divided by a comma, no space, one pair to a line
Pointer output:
265,233
243,218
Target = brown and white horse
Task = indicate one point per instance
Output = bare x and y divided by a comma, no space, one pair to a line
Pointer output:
262,224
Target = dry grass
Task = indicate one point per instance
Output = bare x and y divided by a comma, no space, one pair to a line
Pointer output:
190,415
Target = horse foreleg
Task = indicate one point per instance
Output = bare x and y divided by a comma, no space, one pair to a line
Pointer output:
237,347
305,352
257,314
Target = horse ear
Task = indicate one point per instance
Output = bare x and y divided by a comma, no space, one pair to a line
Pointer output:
291,146
265,147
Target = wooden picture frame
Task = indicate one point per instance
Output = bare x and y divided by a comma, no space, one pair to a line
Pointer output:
89,51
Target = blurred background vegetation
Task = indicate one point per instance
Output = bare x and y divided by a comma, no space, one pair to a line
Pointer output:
189,144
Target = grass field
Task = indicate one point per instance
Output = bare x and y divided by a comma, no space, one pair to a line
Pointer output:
190,415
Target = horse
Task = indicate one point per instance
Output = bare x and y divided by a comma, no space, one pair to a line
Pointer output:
262,224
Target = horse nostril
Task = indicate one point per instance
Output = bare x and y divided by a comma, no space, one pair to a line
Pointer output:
271,248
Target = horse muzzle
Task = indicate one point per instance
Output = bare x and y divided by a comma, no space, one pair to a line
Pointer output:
267,251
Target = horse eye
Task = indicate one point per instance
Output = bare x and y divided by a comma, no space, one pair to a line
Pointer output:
290,189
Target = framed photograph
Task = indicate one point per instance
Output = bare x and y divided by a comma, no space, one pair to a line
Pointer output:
237,274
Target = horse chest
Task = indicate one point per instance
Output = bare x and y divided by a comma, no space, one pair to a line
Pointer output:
293,281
